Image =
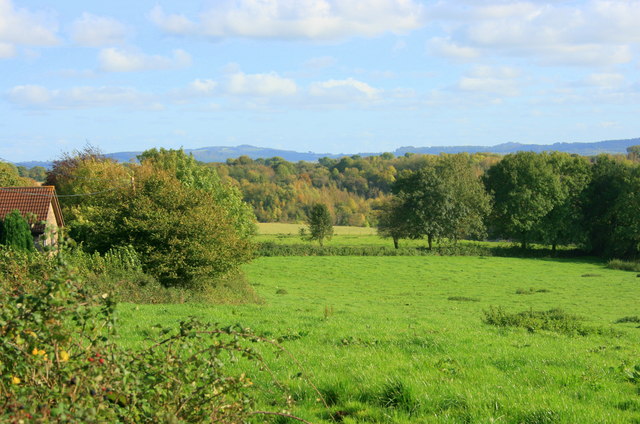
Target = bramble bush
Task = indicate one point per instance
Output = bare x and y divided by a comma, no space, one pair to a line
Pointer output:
58,363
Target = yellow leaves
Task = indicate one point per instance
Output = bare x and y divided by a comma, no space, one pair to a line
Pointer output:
40,352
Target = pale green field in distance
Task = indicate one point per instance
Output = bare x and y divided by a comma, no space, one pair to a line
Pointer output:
384,343
343,236
271,228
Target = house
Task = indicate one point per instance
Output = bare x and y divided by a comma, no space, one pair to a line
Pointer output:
39,205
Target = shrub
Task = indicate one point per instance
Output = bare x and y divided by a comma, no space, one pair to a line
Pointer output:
15,232
58,364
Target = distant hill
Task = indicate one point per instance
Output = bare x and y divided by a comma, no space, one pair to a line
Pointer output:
222,153
585,149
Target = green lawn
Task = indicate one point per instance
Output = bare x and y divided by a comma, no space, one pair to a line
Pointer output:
384,343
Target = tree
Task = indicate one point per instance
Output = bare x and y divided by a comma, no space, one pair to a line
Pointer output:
525,188
320,223
9,176
563,224
633,152
182,230
444,199
609,201
195,175
626,235
16,233
394,221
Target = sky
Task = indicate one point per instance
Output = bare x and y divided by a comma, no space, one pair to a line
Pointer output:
328,76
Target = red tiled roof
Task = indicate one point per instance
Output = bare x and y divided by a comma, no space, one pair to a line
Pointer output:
33,201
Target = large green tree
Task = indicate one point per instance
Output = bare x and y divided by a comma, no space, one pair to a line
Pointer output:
564,223
525,188
394,221
445,199
609,202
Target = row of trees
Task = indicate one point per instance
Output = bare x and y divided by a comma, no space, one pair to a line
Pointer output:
551,198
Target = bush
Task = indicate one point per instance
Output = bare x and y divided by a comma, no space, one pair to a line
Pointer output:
15,232
58,364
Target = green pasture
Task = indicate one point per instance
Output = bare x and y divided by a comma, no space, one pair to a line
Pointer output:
402,339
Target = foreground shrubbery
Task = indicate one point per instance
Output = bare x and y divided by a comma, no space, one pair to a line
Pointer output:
59,364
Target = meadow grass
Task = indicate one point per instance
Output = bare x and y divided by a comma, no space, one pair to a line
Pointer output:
395,339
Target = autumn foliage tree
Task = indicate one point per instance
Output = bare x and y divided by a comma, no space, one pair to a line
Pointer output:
185,232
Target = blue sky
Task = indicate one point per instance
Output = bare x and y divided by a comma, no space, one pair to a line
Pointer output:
315,75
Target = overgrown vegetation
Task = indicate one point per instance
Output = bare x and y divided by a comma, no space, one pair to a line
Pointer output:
187,228
58,362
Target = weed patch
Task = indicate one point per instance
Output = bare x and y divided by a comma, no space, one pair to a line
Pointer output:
463,299
624,265
531,290
397,395
634,318
539,416
555,320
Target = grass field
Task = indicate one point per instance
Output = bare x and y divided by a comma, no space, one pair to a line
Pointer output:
402,339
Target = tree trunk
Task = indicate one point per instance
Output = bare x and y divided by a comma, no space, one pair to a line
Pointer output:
395,242
553,248
430,241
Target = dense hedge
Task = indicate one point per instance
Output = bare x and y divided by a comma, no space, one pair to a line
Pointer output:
267,249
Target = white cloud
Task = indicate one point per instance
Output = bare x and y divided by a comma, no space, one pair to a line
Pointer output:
296,19
270,84
118,60
30,95
590,33
447,48
23,27
204,86
320,62
36,96
174,24
7,50
605,80
501,81
97,31
344,91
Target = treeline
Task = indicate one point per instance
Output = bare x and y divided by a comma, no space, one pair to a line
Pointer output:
554,198
549,198
352,187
